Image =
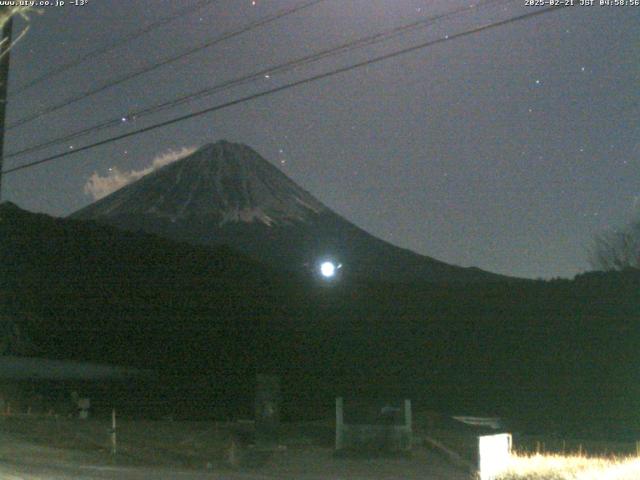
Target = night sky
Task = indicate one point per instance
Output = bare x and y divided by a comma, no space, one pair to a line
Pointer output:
508,149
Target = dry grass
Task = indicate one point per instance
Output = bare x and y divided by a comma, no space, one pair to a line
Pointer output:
576,467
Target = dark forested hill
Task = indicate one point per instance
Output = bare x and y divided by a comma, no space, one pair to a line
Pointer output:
555,355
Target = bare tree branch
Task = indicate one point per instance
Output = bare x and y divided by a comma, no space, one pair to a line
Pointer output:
617,249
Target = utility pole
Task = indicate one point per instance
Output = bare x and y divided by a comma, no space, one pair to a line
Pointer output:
5,48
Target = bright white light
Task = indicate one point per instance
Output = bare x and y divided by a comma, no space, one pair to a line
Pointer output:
328,269
494,455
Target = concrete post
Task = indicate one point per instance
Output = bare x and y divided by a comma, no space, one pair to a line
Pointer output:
267,410
339,423
407,414
114,443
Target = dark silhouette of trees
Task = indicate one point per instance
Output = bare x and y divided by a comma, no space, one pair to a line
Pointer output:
617,249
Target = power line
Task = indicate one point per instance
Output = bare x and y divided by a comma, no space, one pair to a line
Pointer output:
275,69
287,86
113,45
167,61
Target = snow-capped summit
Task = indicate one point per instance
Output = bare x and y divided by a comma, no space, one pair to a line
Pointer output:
223,182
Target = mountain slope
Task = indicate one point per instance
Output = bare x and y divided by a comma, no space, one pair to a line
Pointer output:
94,293
226,193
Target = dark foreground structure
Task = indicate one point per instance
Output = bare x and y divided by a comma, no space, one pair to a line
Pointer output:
378,427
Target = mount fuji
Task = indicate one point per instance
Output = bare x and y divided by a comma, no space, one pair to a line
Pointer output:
226,193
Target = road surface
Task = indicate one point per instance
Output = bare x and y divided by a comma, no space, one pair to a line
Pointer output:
20,460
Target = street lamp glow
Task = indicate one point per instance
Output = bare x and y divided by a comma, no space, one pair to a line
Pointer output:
327,269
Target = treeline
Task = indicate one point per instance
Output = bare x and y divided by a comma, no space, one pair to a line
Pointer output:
557,355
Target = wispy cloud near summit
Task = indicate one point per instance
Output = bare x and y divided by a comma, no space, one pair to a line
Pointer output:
100,186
